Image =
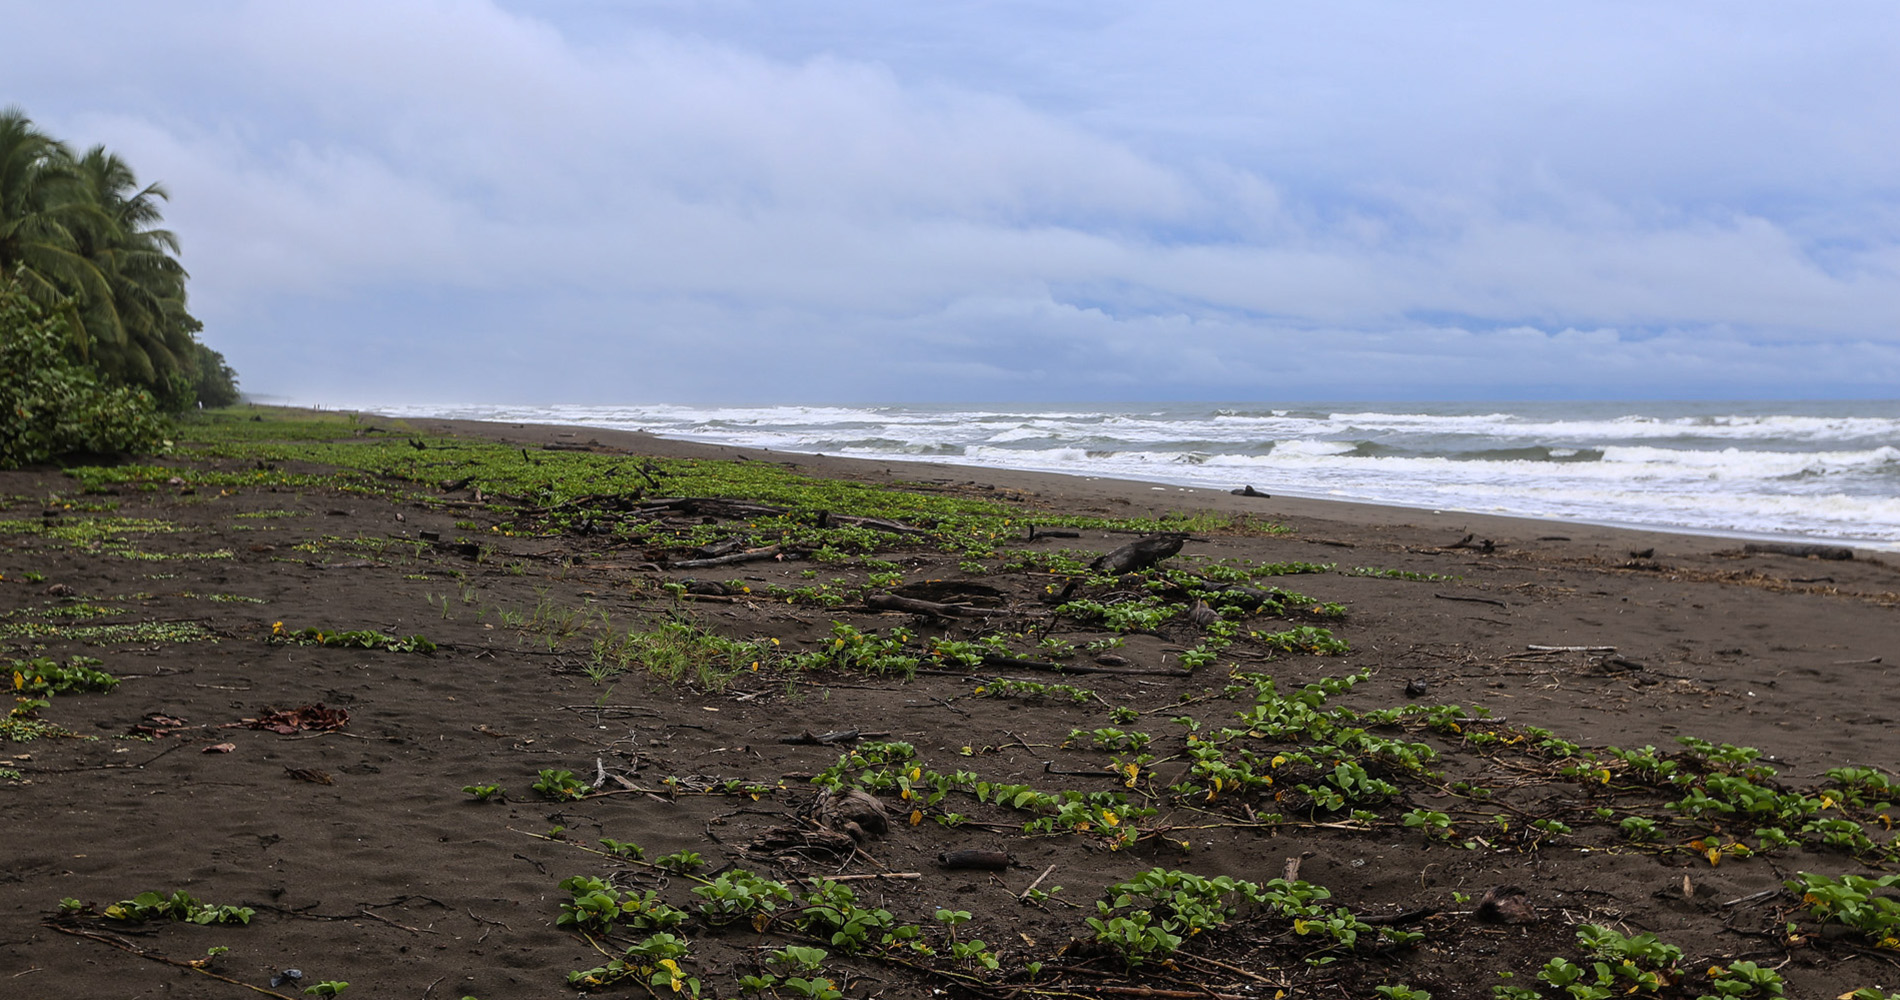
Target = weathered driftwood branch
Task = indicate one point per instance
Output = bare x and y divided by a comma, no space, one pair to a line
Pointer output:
880,524
892,602
716,506
1011,662
1803,551
1138,554
1473,542
750,555
807,738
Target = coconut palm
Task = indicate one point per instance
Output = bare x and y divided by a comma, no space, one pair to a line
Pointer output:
39,211
142,331
81,235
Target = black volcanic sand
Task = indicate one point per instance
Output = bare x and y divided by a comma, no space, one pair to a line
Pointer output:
391,878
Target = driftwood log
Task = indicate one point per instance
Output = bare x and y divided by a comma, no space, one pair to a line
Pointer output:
1001,662
892,602
1803,551
750,555
1138,554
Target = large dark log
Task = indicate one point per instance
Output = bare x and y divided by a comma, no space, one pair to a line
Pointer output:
1138,554
1786,549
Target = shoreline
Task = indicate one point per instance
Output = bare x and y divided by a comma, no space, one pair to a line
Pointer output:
1764,473
1165,496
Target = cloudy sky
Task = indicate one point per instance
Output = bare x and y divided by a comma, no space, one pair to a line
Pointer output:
762,201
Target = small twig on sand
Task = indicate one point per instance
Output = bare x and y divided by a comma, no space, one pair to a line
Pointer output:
401,927
1237,970
1032,886
1473,600
162,960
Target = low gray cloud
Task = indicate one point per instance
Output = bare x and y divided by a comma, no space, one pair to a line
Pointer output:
853,201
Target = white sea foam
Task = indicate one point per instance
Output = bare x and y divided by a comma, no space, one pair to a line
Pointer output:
1823,470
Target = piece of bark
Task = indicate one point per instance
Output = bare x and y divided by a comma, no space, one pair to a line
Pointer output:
1138,554
1802,551
1505,904
791,839
990,860
854,812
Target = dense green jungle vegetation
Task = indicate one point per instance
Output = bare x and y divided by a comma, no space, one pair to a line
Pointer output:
95,336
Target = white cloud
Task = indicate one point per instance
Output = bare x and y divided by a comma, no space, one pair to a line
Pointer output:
1108,199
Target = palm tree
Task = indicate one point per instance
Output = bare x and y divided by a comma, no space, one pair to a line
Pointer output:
39,213
144,332
81,235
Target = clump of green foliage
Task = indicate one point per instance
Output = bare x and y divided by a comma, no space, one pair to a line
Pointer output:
350,639
43,676
52,406
176,906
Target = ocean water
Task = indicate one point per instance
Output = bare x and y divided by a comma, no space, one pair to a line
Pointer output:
1821,470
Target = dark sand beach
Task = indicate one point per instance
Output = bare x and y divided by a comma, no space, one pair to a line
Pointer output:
366,862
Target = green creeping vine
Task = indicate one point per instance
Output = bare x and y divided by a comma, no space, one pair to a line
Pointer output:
177,906
349,639
1150,916
43,676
